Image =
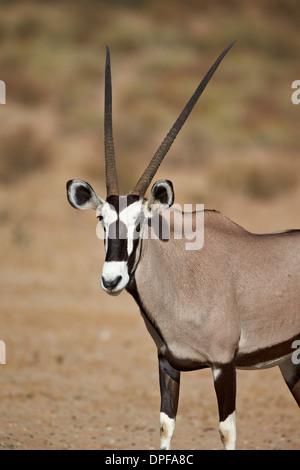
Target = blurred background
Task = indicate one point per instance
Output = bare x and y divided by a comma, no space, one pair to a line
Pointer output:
77,360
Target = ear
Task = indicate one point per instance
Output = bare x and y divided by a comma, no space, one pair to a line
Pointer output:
162,194
82,196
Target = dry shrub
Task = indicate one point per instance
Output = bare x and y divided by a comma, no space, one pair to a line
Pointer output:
257,181
22,86
21,152
269,183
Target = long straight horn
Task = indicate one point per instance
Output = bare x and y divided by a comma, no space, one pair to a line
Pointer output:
146,178
110,163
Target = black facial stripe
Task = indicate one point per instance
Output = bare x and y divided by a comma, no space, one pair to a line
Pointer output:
117,242
115,201
117,232
131,198
132,256
116,250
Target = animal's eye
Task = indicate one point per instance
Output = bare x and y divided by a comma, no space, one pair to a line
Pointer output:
101,220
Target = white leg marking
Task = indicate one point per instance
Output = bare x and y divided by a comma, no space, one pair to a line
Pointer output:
227,430
216,373
167,426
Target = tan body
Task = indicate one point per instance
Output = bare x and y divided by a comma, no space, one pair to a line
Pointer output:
238,296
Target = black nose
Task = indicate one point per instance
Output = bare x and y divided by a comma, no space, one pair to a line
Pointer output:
112,283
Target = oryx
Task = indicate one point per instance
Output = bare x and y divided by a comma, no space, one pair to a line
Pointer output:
234,303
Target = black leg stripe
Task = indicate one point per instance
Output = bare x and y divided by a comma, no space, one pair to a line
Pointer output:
225,386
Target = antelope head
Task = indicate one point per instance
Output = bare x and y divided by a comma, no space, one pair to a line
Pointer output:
123,217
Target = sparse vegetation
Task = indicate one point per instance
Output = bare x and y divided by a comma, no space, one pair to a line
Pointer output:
255,179
52,57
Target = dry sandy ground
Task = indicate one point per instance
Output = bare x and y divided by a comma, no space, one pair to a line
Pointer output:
81,369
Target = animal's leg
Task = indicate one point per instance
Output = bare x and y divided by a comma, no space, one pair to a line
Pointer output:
225,386
291,374
169,380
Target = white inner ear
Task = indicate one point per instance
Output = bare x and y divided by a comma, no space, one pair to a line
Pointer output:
154,204
94,202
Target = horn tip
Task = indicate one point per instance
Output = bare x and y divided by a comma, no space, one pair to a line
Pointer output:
232,44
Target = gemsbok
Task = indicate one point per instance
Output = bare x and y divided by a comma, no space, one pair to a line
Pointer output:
233,303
